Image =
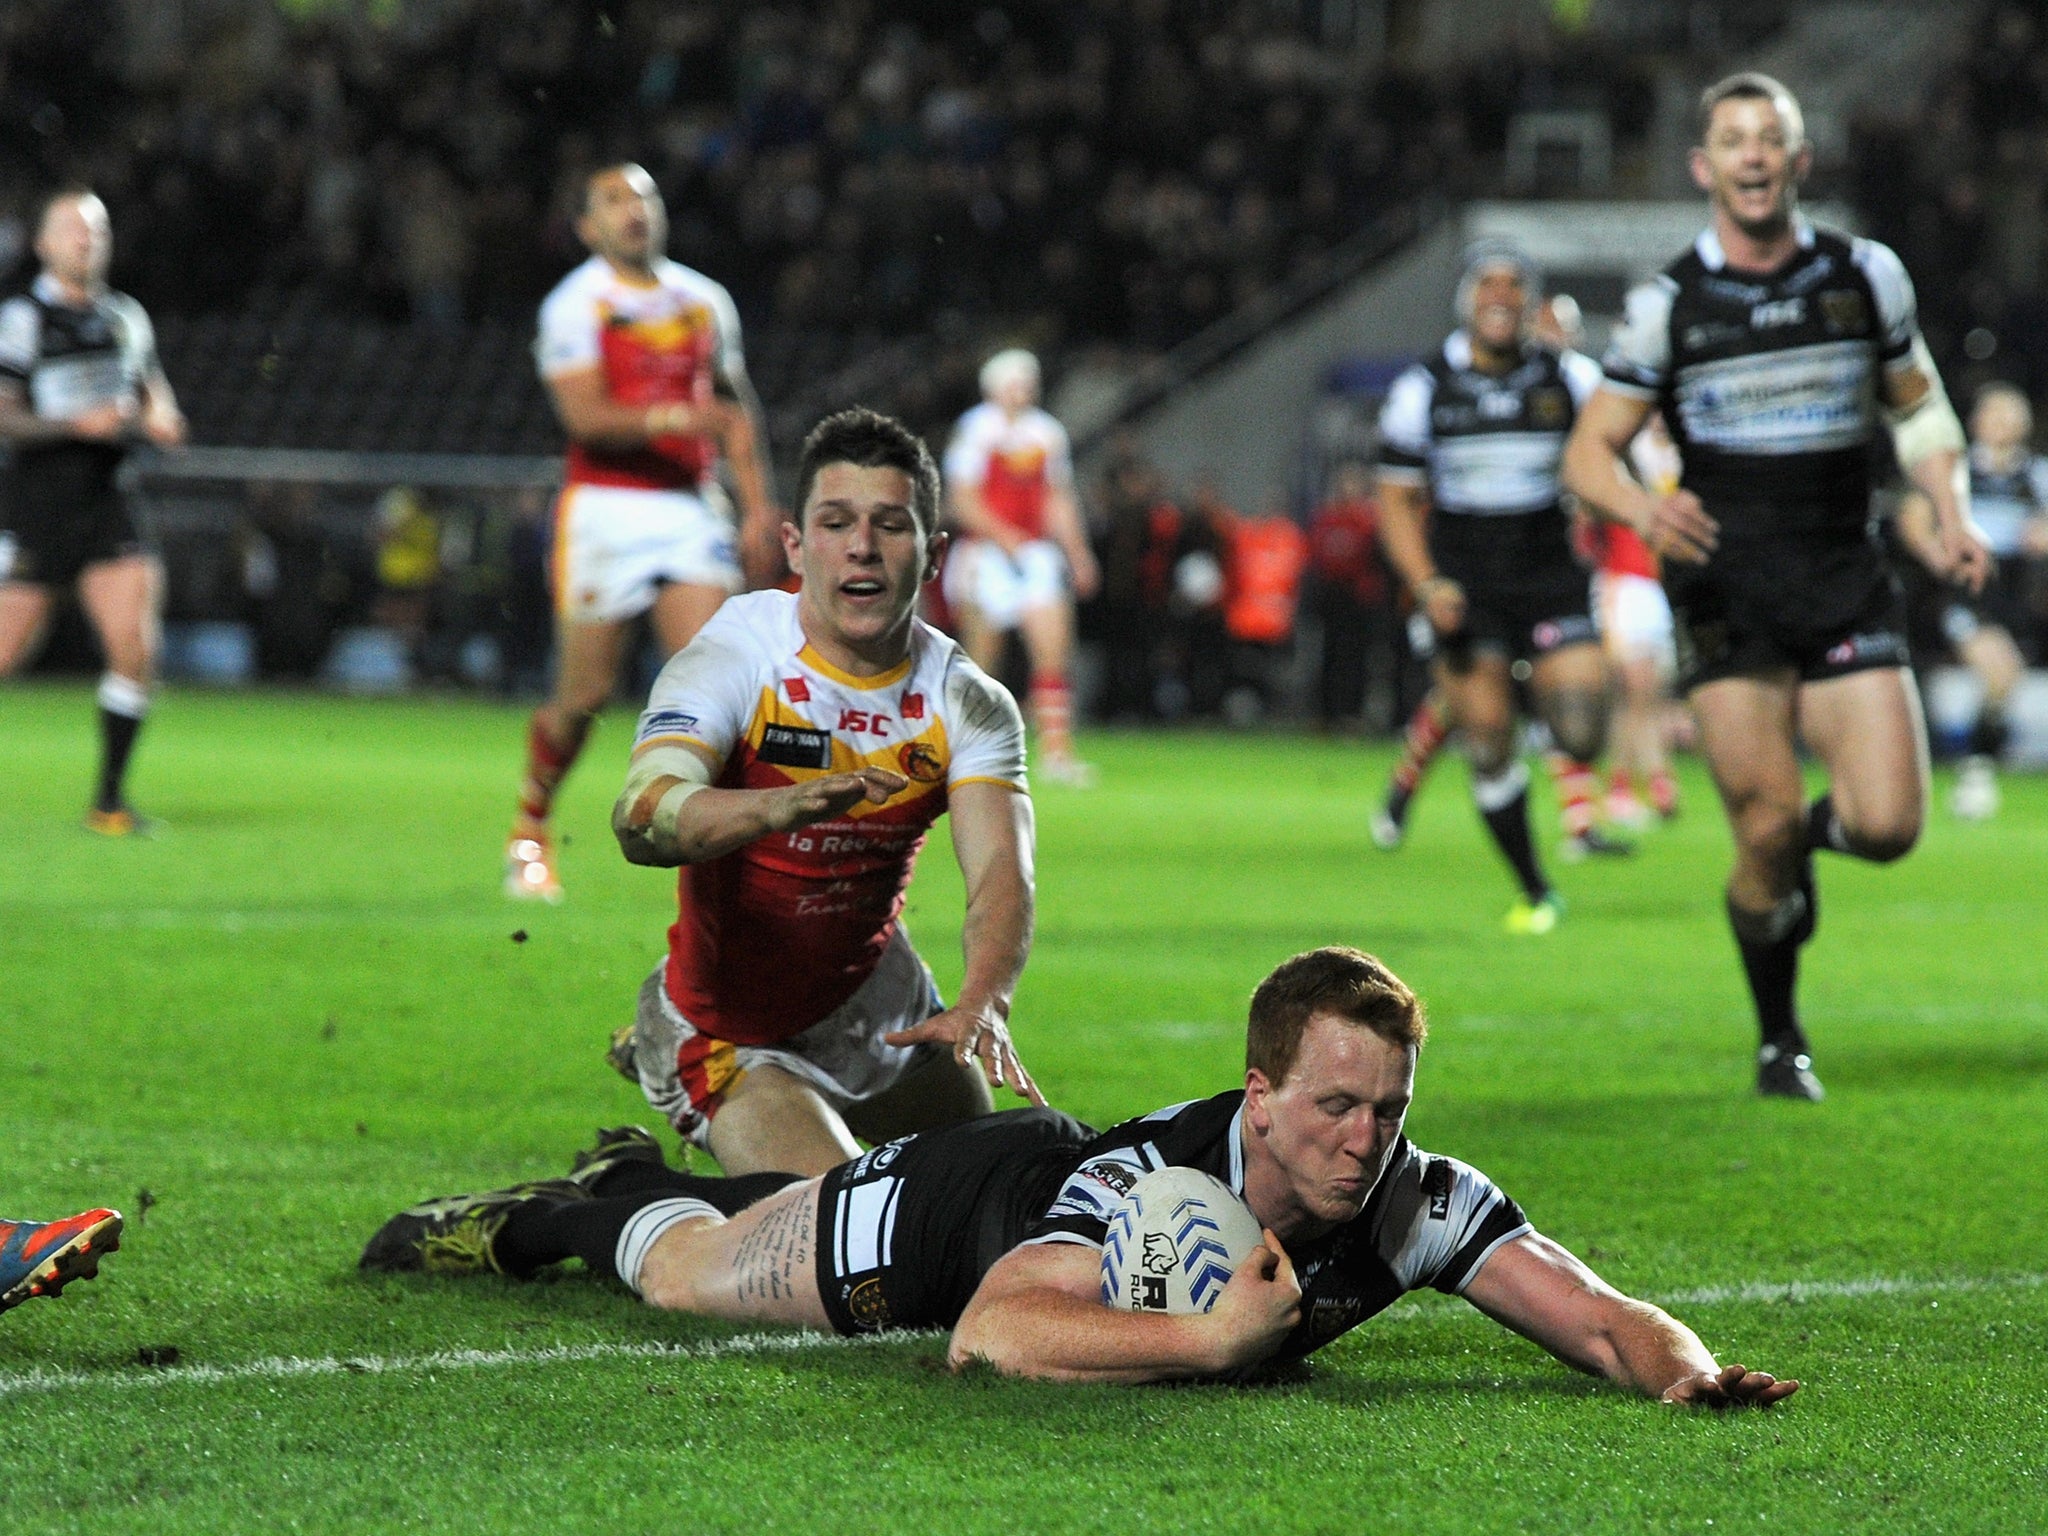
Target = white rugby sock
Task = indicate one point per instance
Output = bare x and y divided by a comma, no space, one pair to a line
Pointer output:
123,696
647,1226
1497,791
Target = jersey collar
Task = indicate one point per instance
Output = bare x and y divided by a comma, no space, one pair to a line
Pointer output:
51,292
809,657
1715,258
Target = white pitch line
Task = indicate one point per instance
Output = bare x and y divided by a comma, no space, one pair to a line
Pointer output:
291,1367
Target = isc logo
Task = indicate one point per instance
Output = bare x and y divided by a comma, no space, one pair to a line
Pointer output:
861,721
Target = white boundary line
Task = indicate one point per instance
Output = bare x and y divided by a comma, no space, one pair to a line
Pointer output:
291,1367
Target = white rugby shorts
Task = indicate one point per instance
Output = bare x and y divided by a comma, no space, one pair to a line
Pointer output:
615,546
1635,615
686,1074
1002,587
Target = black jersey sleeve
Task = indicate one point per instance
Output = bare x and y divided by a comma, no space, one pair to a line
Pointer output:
1442,1220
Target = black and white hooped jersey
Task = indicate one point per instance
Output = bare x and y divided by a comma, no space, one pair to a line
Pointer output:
1484,444
1430,1221
1769,381
2004,501
67,360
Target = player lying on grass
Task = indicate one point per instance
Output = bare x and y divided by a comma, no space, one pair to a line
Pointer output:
995,1228
790,761
40,1258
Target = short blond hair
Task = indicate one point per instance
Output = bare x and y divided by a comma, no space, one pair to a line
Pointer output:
1753,85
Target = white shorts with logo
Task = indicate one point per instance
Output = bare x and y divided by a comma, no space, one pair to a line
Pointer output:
616,545
686,1074
1002,587
1635,615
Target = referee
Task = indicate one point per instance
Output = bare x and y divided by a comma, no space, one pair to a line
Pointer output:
80,382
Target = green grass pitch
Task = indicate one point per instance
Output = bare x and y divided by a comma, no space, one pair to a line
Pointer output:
304,1007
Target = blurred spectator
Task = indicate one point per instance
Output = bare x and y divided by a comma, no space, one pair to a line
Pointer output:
408,564
1057,170
1263,561
1350,596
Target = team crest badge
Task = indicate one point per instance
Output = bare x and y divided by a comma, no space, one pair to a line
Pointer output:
920,762
1844,310
1548,408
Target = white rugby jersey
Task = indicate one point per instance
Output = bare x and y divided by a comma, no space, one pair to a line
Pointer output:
1012,463
1429,1221
657,343
775,935
1484,444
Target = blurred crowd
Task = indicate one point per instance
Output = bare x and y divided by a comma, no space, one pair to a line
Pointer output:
1064,172
1958,185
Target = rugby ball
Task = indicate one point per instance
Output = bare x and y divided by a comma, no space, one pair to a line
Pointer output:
1173,1243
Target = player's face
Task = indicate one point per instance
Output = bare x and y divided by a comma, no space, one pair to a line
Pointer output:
1331,1125
76,241
2001,422
1017,393
1499,306
861,554
623,218
1749,166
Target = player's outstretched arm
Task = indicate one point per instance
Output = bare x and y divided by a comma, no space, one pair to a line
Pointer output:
1541,1291
992,837
1596,471
668,814
1039,1313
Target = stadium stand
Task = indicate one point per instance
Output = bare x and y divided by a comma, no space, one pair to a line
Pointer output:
885,187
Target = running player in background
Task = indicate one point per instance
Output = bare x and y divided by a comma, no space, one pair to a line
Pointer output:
40,1258
79,384
642,358
1994,632
1774,350
1635,623
1474,524
790,761
1022,557
1558,324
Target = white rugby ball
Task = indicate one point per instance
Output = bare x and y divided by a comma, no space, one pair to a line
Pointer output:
1173,1243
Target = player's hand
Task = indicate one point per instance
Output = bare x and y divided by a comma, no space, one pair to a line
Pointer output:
164,425
1679,529
104,423
820,799
1734,1386
1443,604
978,1035
1966,559
1258,1308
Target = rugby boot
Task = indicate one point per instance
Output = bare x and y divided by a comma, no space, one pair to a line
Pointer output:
40,1258
1595,843
120,821
456,1234
619,1144
530,863
1389,822
1783,1074
1534,918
